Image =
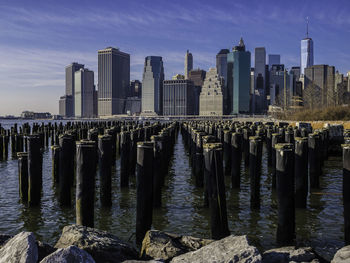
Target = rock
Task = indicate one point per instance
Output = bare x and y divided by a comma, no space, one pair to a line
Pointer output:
229,249
44,250
68,255
289,254
102,246
21,248
149,261
342,255
162,245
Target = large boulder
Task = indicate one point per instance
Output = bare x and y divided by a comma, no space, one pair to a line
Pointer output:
102,246
229,249
22,248
145,261
4,238
289,254
162,245
44,250
342,255
68,255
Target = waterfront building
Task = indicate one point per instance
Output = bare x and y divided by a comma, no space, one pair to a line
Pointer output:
211,97
135,89
70,70
66,106
274,59
197,76
84,90
152,86
188,63
260,79
321,78
178,97
238,80
306,51
113,81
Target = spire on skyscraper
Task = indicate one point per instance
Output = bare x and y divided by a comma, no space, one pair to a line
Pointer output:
241,43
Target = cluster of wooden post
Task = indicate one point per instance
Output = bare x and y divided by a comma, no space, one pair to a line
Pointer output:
293,155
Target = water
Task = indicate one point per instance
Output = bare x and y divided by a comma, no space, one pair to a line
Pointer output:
320,225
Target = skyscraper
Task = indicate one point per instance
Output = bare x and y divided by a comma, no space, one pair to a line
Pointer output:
70,70
152,85
178,95
198,77
260,79
274,59
113,81
221,63
188,63
84,90
307,51
211,98
238,79
135,88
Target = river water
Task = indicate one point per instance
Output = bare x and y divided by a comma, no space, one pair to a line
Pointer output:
320,225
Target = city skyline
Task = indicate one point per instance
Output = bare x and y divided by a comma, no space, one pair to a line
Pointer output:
40,39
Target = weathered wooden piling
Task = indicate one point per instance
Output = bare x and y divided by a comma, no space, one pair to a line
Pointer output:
157,171
216,190
346,192
199,160
255,156
105,152
236,147
124,158
314,160
55,163
23,175
285,193
246,134
34,170
227,152
276,138
1,147
144,189
301,172
66,168
85,188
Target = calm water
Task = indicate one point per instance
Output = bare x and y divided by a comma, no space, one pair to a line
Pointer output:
320,225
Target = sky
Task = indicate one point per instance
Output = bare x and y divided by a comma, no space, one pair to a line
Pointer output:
39,38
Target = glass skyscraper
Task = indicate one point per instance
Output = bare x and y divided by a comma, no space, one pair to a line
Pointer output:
307,54
152,85
238,78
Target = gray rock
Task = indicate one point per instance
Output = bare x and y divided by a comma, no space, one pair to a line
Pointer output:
149,261
69,255
229,249
102,246
342,255
4,238
162,245
289,254
22,248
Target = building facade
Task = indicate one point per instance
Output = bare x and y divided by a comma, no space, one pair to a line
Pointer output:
113,81
211,97
135,88
260,80
197,77
152,86
188,63
238,79
66,106
178,96
306,54
70,70
84,90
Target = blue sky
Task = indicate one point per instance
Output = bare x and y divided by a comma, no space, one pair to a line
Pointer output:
39,38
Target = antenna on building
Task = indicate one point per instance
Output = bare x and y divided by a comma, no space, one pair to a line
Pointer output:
307,27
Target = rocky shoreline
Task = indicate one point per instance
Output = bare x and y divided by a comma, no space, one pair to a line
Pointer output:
84,244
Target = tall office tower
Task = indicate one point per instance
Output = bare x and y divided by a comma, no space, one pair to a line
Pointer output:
135,88
66,106
152,86
320,79
274,59
238,79
221,67
307,51
211,97
113,81
281,95
188,63
84,90
340,87
198,77
95,105
260,78
70,70
178,95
